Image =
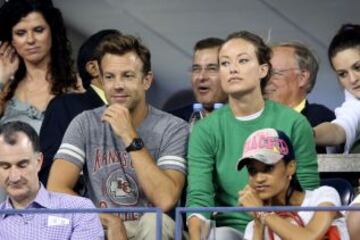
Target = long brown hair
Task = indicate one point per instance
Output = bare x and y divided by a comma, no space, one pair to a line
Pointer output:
61,71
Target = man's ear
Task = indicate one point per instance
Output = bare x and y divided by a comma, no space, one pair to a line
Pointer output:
92,68
147,80
303,78
39,160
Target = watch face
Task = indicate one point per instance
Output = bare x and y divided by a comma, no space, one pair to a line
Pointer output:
136,144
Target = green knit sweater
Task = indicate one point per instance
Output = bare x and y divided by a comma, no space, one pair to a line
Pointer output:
216,144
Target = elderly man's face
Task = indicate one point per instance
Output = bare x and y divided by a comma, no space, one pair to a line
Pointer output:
283,86
19,167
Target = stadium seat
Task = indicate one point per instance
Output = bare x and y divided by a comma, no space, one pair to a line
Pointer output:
343,187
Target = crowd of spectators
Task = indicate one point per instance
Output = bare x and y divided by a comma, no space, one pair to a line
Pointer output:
95,140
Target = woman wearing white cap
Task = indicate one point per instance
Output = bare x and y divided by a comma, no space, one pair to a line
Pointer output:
268,155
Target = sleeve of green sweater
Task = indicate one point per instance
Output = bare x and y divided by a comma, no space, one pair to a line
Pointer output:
201,159
305,154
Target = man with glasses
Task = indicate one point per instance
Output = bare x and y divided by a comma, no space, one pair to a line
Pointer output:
205,77
294,70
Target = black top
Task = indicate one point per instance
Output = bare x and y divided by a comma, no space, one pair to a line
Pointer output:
183,112
59,113
316,114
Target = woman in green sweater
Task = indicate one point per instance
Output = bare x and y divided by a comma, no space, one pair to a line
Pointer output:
217,141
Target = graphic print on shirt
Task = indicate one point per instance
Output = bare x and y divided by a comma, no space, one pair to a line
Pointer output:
106,158
122,188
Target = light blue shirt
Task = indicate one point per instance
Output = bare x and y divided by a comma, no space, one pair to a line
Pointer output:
51,226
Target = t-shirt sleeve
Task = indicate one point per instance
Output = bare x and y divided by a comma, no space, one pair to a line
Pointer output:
201,158
72,147
305,154
174,146
248,235
348,117
326,194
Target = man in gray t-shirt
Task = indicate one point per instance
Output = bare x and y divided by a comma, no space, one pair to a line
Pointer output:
132,154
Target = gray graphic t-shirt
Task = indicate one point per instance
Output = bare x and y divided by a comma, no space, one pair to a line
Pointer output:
110,177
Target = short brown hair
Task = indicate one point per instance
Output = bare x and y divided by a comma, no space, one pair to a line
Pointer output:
9,132
206,43
119,44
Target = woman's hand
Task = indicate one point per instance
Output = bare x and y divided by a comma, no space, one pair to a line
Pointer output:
249,198
9,62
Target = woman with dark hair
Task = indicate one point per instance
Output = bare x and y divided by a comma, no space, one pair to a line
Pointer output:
216,142
35,62
269,157
344,57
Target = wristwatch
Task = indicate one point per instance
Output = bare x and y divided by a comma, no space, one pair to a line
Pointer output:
136,145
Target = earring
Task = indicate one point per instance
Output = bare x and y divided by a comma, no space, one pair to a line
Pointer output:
290,177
